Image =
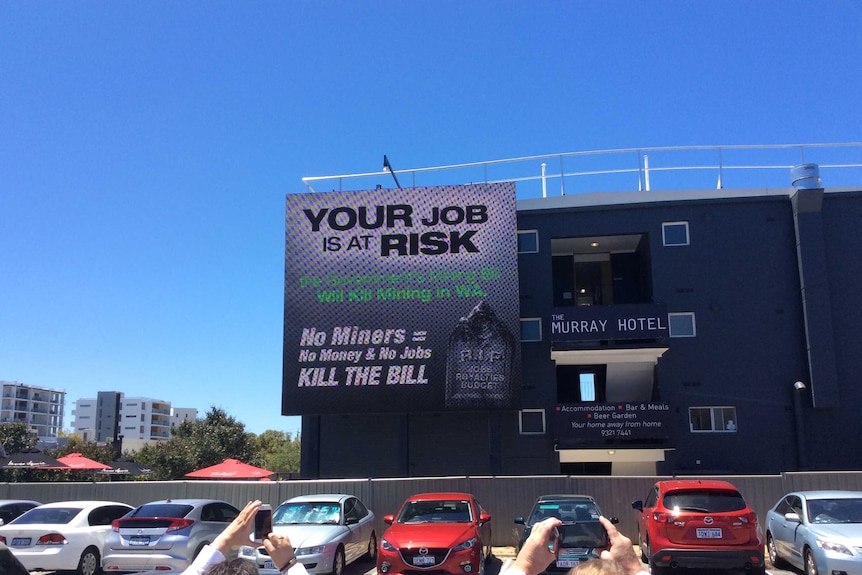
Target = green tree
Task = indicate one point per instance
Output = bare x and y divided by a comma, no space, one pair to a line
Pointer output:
280,451
94,451
200,443
16,437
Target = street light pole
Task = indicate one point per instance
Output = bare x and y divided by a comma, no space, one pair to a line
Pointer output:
801,459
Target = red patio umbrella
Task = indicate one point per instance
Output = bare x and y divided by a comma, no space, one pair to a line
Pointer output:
230,469
78,461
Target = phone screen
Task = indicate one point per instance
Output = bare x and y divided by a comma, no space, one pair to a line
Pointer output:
590,534
263,523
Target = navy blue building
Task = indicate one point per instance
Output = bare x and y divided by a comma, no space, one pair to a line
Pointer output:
712,331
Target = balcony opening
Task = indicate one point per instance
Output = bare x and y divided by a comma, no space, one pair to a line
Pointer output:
601,270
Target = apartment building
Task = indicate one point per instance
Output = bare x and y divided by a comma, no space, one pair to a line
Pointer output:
136,420
41,408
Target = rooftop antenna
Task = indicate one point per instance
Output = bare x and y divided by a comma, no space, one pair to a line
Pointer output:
387,167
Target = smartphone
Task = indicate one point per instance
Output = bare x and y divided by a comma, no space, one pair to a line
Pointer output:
263,522
589,534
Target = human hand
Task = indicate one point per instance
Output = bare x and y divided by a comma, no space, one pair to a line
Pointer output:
621,549
280,550
238,532
536,554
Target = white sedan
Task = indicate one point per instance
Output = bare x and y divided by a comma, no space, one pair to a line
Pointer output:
62,536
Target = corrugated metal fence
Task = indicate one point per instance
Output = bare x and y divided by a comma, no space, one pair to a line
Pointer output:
503,497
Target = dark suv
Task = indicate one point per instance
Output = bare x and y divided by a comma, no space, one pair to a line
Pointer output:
698,524
569,509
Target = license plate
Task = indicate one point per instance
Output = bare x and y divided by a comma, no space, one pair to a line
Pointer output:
567,563
139,541
268,564
423,560
713,533
20,541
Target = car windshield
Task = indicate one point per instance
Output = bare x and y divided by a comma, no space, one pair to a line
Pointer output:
307,513
161,510
434,511
566,511
50,515
835,510
705,501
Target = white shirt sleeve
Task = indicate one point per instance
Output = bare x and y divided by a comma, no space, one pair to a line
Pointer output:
209,555
297,569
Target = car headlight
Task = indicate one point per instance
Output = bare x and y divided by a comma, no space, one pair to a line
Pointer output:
468,544
833,546
316,550
248,552
386,545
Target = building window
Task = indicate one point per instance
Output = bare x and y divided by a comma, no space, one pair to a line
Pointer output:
528,242
712,419
531,422
681,324
675,233
588,386
531,329
581,383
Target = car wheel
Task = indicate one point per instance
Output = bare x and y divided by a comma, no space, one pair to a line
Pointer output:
371,554
810,564
773,552
89,562
646,552
338,561
641,545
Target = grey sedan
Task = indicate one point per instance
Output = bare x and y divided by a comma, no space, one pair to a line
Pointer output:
328,531
165,535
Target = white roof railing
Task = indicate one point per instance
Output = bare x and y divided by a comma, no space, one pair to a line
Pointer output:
643,169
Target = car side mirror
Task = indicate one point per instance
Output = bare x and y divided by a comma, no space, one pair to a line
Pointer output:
792,517
389,519
639,505
351,521
484,518
519,520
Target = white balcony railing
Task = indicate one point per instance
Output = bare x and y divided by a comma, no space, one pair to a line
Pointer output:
643,169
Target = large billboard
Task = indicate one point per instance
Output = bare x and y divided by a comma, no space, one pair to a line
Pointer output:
401,300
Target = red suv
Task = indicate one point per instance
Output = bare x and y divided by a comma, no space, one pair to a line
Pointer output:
436,533
699,524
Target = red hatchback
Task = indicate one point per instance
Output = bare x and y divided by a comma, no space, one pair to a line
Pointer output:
698,524
439,532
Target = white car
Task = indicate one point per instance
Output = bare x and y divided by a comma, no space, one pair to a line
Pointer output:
328,532
62,536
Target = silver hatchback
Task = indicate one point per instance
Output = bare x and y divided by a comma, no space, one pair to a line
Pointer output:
165,535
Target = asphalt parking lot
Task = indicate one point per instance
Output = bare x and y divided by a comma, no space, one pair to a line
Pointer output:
501,556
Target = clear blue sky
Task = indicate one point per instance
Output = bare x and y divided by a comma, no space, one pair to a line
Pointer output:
146,147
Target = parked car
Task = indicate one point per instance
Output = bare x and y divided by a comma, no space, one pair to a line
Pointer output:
12,508
328,532
818,531
443,532
698,524
165,535
62,536
570,509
